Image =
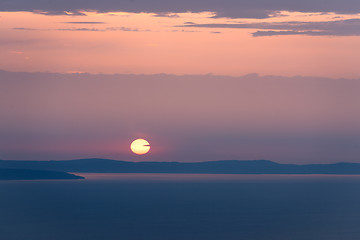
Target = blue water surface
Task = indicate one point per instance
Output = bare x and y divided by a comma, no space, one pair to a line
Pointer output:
182,207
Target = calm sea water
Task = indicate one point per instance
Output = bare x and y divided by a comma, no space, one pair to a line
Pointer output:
182,207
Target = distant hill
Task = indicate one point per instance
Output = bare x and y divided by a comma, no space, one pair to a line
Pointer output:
220,167
28,174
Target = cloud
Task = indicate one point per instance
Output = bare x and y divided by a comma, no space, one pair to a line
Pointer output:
61,12
84,29
125,29
349,27
168,15
308,33
221,8
26,29
85,22
16,52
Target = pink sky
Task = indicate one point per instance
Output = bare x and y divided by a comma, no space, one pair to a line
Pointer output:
185,118
301,107
145,44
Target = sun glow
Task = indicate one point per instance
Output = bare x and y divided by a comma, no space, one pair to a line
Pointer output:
140,146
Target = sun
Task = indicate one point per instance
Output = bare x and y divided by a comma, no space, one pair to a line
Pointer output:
140,146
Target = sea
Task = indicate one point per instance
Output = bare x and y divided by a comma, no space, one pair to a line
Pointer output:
182,207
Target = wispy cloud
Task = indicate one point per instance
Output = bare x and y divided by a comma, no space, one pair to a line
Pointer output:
168,15
16,52
85,22
26,29
84,29
74,12
125,29
349,27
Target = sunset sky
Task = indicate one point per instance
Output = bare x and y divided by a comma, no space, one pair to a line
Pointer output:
200,80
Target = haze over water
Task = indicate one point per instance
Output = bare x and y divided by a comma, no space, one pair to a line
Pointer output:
182,206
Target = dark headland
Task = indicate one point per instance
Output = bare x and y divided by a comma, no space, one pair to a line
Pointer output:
29,174
213,167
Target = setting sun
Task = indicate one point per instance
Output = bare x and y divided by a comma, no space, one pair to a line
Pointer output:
140,146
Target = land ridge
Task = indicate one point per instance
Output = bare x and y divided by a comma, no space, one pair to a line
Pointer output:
99,165
30,174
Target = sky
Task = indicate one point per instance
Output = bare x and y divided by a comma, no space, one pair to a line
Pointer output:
201,80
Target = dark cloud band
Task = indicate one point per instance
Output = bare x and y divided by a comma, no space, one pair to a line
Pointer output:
349,27
224,8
